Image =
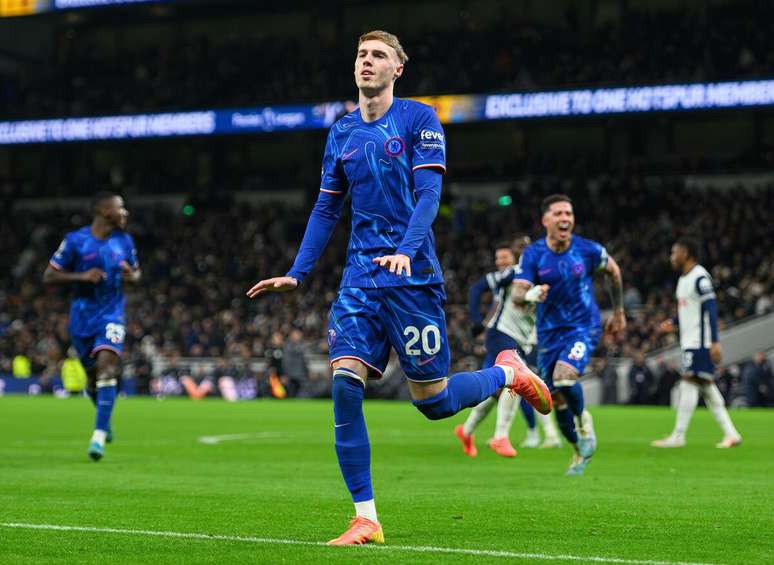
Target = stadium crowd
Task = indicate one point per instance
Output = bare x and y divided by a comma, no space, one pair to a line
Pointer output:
192,302
91,72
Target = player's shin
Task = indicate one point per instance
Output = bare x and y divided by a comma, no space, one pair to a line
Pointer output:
477,415
686,405
567,424
353,448
506,409
463,390
107,386
573,395
717,408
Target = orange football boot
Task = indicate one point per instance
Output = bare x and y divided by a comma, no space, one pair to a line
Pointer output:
468,443
526,383
361,530
502,446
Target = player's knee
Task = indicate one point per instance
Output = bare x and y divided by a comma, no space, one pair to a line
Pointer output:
559,402
107,376
437,407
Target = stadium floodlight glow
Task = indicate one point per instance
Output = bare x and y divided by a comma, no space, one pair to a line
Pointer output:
451,109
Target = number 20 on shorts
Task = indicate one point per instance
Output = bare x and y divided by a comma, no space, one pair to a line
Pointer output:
430,336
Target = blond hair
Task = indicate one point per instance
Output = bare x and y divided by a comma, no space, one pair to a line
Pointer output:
388,39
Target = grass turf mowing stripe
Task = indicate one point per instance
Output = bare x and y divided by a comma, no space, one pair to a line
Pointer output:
405,548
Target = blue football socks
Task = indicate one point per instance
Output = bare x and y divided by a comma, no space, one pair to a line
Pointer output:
566,423
106,398
573,395
353,448
464,390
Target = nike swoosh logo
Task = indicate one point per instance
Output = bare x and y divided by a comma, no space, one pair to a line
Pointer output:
425,361
385,125
348,155
341,425
544,272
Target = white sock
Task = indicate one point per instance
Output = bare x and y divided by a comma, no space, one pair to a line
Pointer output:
549,426
477,414
533,434
506,408
366,509
717,407
99,436
508,374
686,405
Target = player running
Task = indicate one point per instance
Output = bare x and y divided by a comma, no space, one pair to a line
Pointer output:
508,326
698,322
388,156
97,259
557,273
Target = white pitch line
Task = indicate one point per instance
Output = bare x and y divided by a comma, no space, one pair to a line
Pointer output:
405,548
212,440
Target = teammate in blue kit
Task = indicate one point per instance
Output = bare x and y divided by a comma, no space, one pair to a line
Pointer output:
97,260
388,156
556,272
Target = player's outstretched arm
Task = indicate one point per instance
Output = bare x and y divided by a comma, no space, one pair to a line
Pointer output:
54,276
275,284
614,280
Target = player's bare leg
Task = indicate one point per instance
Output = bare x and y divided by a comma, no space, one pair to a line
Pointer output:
106,374
353,450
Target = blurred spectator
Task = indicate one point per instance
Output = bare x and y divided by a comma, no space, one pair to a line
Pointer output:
640,380
668,376
609,378
294,363
757,380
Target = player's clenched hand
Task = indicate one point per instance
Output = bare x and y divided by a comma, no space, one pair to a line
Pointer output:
395,263
616,323
715,353
127,273
93,275
537,293
276,284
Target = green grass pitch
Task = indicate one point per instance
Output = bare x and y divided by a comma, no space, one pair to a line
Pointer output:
280,481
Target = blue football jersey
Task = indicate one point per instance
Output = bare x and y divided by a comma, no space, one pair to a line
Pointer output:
373,163
570,304
94,305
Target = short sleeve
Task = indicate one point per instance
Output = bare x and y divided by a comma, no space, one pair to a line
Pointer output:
63,258
333,180
429,148
131,252
705,288
597,257
526,270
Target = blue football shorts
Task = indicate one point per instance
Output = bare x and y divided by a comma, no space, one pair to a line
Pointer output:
573,347
111,337
364,323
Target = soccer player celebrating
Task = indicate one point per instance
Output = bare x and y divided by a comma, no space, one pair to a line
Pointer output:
388,155
698,322
556,272
508,326
97,260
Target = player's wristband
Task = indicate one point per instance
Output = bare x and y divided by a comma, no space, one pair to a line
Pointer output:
533,294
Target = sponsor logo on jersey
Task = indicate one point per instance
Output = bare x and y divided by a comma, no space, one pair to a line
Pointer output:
429,139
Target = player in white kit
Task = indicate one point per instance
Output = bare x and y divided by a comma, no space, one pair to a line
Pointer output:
698,324
507,325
